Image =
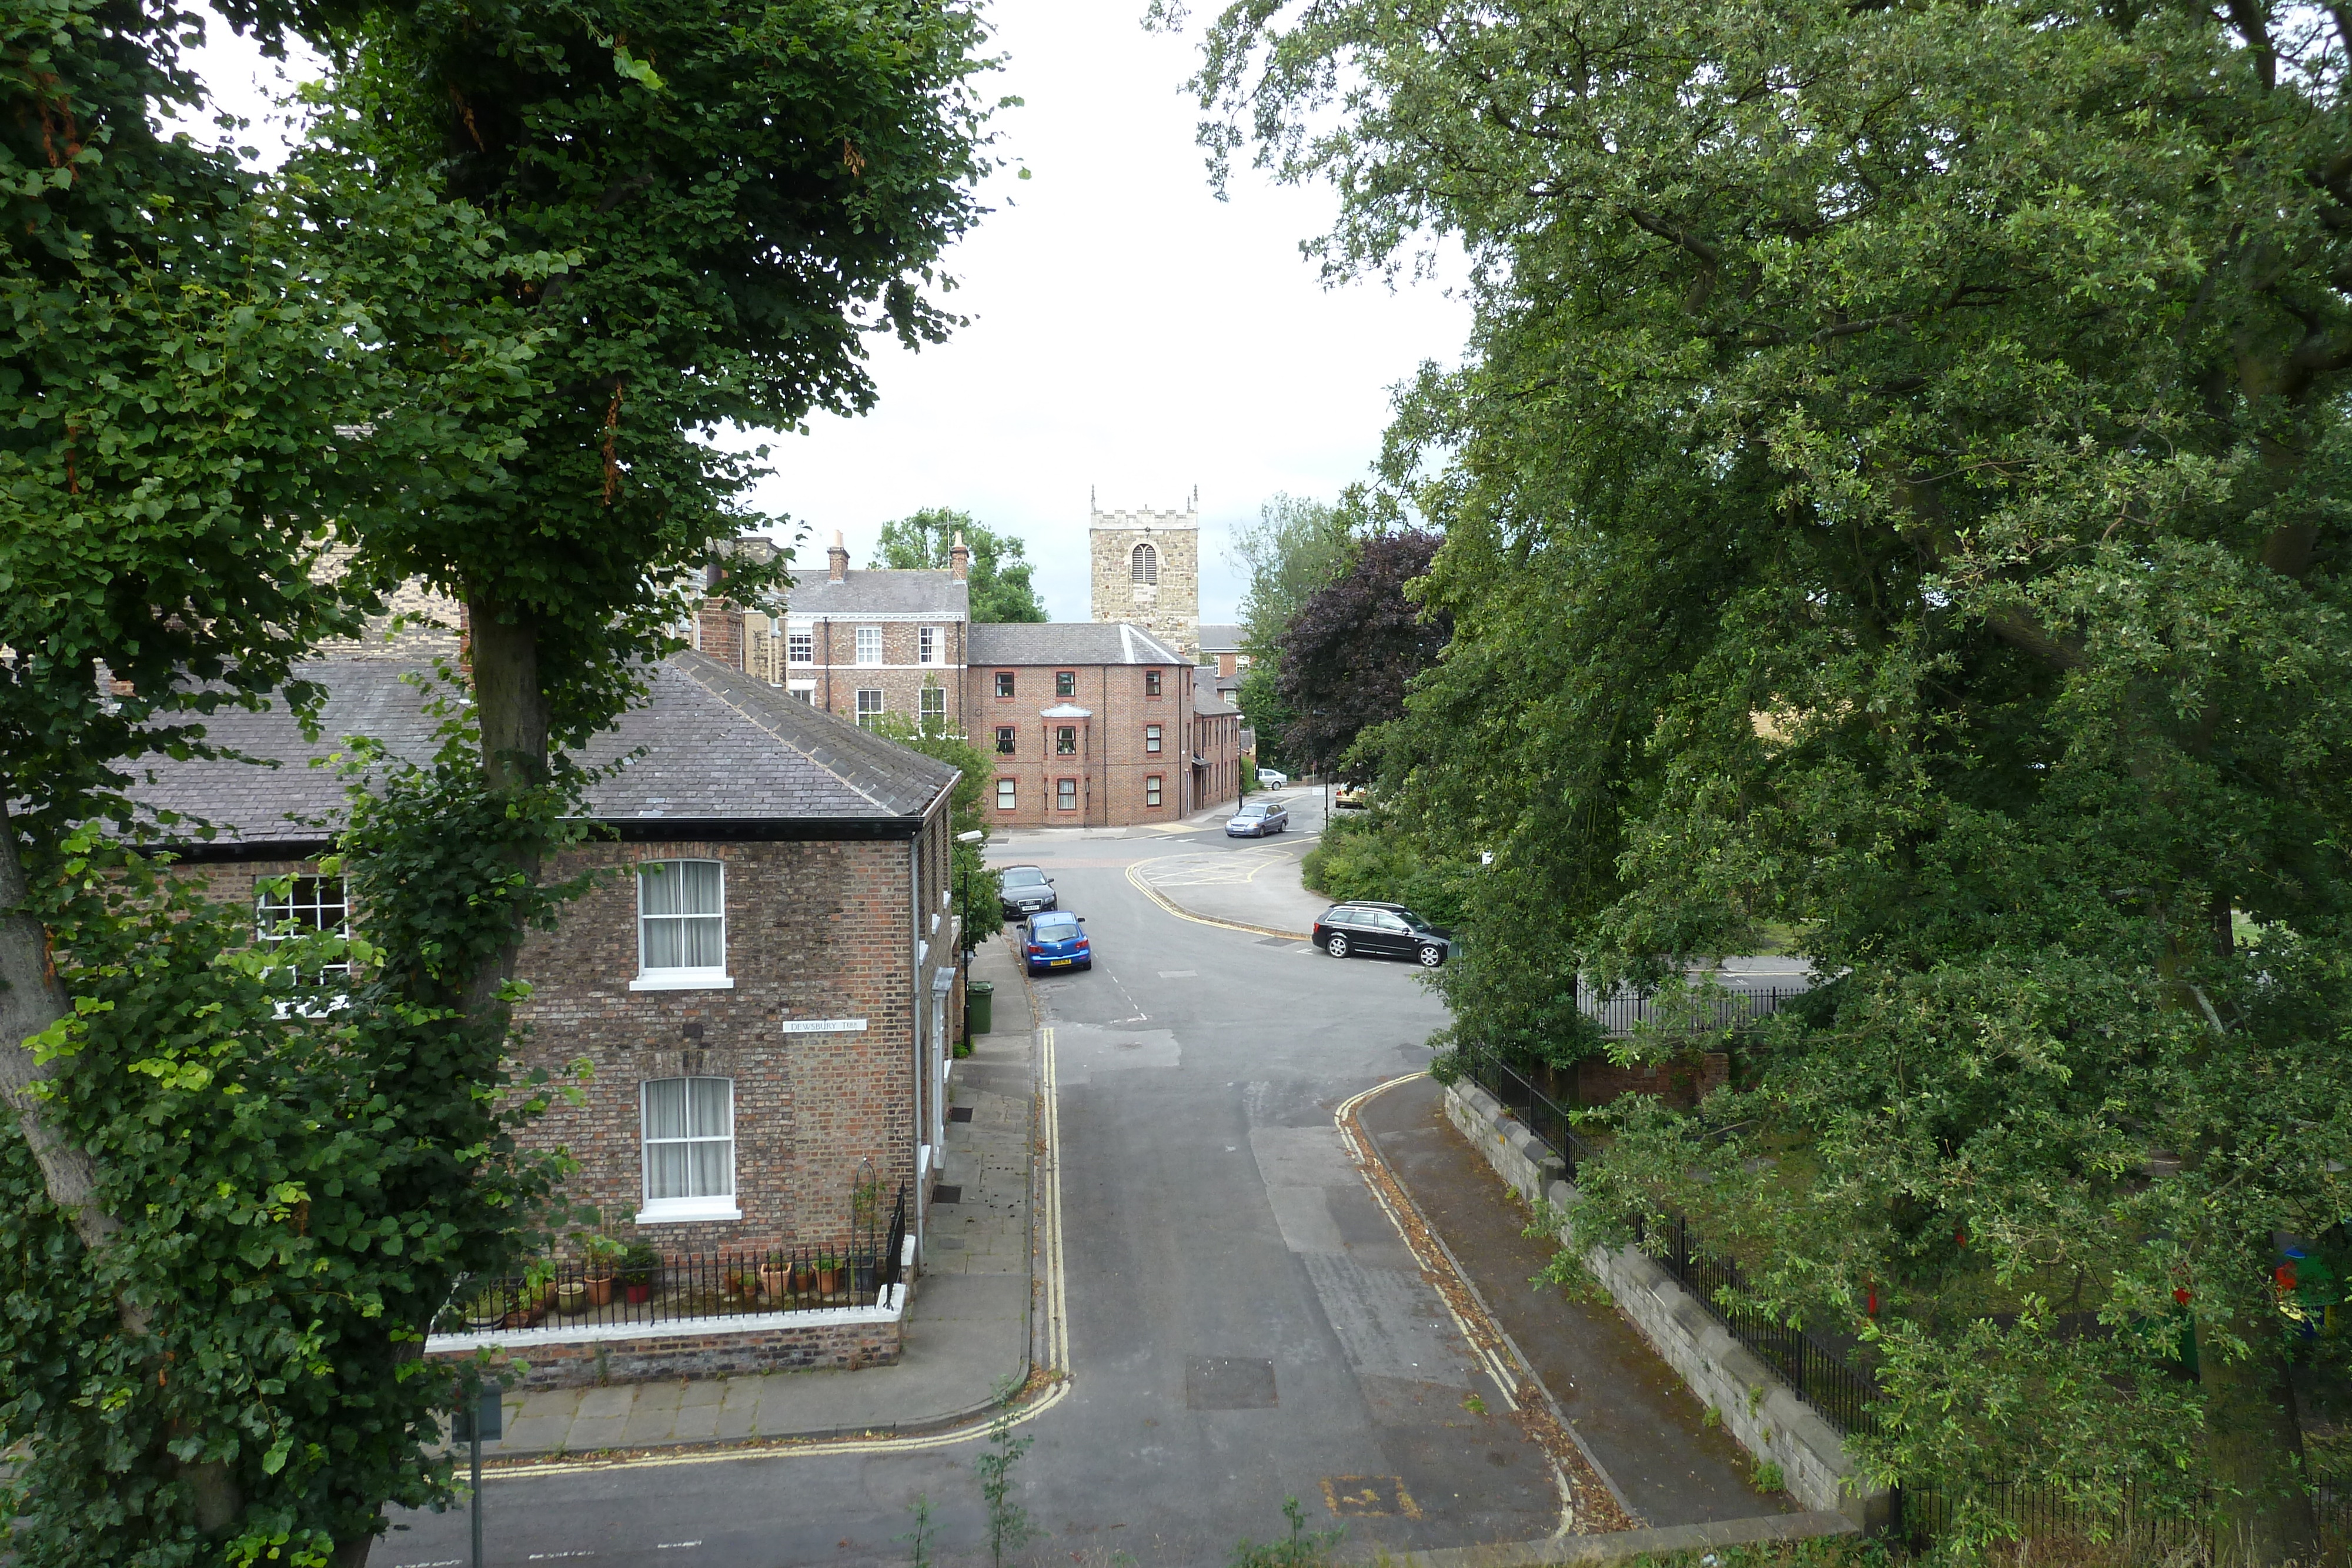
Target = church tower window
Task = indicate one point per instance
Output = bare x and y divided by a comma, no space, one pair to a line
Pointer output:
1144,565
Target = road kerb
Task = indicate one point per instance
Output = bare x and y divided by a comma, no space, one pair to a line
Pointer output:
1591,1502
1136,880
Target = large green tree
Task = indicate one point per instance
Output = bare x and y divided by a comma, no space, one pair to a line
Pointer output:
1295,549
1000,590
1895,489
693,215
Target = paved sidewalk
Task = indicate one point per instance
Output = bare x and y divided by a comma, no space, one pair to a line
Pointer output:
1637,1418
967,1335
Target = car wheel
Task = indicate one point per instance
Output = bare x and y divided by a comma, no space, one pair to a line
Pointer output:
1431,955
1336,946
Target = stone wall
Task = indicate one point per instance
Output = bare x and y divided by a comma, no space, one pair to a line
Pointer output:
1171,609
1763,1413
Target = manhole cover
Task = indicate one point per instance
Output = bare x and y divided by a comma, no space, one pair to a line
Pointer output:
1228,1383
959,1113
947,1195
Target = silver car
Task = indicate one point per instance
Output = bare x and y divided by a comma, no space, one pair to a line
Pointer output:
1257,820
1267,779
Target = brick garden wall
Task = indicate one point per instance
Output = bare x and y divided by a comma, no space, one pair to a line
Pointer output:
1682,1082
794,1348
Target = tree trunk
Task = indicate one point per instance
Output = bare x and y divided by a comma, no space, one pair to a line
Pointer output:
31,1000
2262,1515
512,707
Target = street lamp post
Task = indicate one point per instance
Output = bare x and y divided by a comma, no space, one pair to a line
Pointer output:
963,930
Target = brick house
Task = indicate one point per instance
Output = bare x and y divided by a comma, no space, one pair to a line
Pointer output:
859,643
766,994
1096,725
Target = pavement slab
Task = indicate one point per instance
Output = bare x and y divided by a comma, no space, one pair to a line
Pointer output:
1637,1417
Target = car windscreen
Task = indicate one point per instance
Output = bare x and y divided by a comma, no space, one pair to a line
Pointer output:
1251,812
1024,876
1056,930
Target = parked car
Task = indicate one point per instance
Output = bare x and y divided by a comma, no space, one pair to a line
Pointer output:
1271,778
1383,931
1257,820
1349,797
1026,891
1056,940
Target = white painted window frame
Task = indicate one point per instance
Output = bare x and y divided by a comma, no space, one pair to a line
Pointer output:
699,979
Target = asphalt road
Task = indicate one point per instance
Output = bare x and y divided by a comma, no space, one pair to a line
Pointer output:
1244,1324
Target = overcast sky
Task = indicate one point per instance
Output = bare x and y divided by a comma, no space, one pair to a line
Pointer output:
1131,336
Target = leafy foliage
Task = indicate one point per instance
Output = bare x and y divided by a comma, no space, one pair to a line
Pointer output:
1000,567
1344,657
1292,552
684,216
306,1163
977,885
1368,856
1894,491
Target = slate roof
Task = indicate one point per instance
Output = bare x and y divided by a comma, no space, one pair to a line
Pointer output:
1068,642
718,747
884,592
1209,705
1220,639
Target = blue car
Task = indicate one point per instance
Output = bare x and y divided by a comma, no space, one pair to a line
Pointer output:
1054,941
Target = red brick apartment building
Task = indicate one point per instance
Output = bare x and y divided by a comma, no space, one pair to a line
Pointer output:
1092,724
767,1000
1096,723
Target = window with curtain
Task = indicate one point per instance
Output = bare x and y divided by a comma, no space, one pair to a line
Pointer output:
1065,740
1066,794
1066,683
682,920
1151,737
1151,682
1005,682
690,1148
1151,791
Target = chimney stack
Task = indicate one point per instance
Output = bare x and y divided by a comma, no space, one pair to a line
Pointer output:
960,561
719,632
836,558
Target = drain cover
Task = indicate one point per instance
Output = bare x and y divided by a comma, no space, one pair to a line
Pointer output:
959,1113
947,1195
1228,1383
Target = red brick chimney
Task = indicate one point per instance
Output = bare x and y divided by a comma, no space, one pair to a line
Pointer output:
719,632
836,558
960,561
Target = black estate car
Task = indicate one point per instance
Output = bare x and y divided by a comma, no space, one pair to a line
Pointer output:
1381,930
1026,891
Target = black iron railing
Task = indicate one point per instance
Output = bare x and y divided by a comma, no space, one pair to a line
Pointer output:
2138,1526
1819,1373
1817,1370
643,1287
1621,1011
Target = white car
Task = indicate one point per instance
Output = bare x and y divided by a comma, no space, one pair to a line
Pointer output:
1267,779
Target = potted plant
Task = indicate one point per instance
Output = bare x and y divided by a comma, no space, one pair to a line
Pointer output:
828,1273
775,1276
601,1255
803,1275
572,1295
486,1309
639,1263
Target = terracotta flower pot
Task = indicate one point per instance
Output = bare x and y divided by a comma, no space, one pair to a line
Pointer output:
826,1279
775,1283
600,1291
